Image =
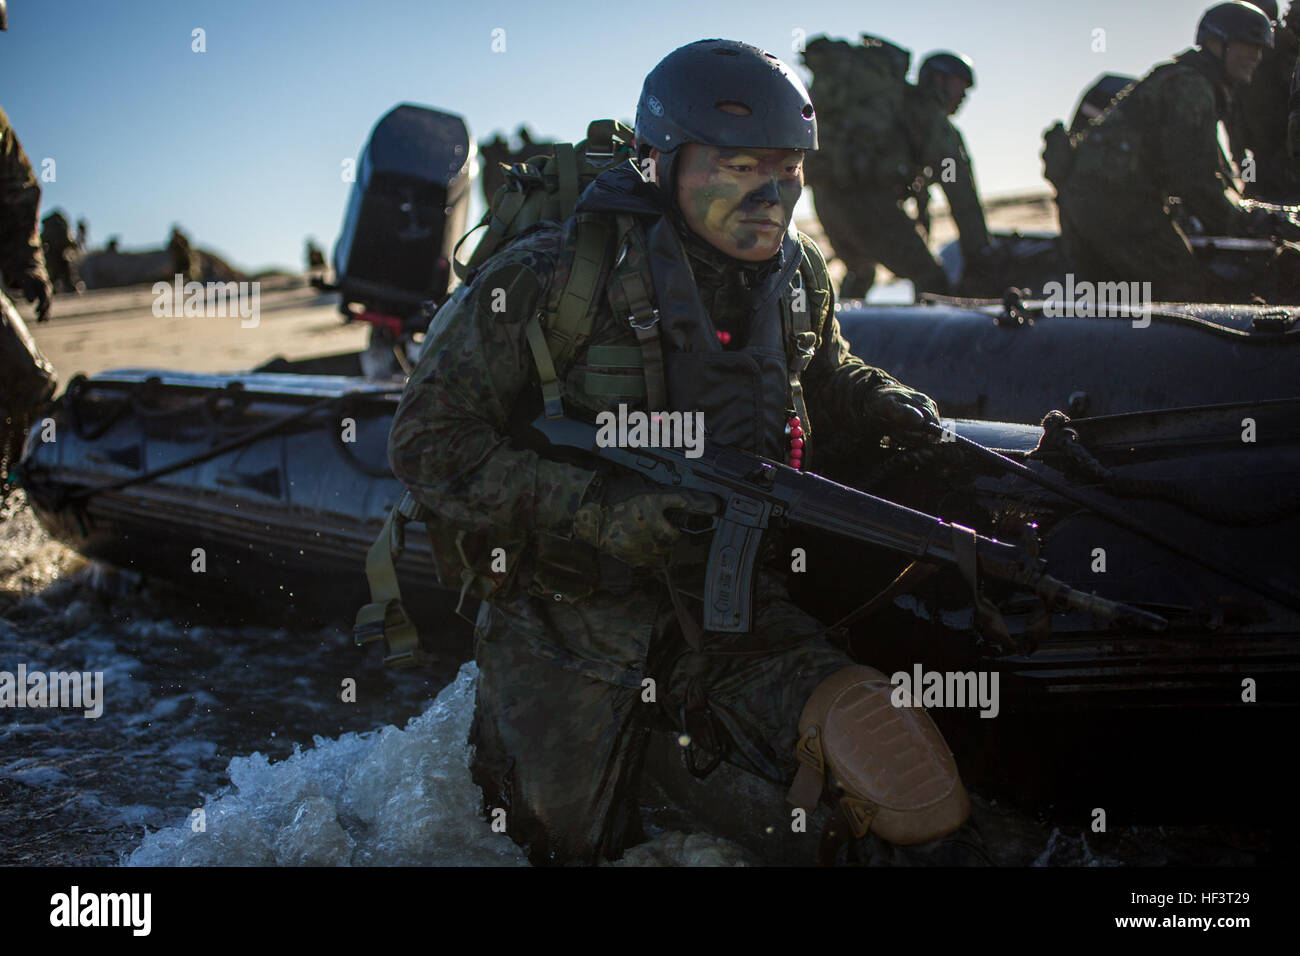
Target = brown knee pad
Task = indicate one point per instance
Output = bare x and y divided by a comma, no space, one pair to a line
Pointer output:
891,767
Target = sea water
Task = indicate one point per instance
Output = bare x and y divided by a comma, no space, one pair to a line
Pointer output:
224,740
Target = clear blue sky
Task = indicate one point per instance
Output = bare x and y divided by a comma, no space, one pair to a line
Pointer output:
243,144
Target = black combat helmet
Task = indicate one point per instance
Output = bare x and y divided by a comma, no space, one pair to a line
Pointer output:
724,93
1235,22
953,64
1268,6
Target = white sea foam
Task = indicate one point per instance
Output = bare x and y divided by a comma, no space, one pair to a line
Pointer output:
389,797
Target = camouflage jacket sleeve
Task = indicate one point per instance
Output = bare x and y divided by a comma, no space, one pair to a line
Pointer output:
838,386
449,442
959,187
20,200
940,148
1186,148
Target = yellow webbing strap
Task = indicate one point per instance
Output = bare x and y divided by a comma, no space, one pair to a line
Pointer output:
545,367
385,617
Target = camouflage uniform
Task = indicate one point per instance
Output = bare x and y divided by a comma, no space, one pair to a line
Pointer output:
1159,140
26,378
182,256
61,254
314,256
21,258
560,721
865,220
1260,122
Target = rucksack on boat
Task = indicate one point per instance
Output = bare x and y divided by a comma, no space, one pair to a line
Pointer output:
857,90
545,188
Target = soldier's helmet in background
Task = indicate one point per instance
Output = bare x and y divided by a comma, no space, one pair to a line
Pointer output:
1235,22
1269,7
949,63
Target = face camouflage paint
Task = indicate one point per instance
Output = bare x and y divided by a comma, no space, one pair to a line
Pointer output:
740,201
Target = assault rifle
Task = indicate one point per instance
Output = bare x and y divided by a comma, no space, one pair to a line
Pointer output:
755,490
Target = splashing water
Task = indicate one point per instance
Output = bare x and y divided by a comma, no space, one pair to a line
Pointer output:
398,797
392,797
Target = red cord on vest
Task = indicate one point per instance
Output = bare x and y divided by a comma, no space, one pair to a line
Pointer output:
795,430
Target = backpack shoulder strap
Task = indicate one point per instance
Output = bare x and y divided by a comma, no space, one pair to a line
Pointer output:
816,278
566,174
632,274
802,311
555,335
569,326
502,219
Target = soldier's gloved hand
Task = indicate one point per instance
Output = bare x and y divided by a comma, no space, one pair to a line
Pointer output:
631,520
37,289
903,413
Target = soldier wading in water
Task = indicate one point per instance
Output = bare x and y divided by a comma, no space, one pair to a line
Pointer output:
707,302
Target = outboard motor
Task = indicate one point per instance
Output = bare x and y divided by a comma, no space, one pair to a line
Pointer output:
407,209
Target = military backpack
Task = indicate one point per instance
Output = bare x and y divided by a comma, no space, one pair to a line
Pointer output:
858,91
544,188
540,189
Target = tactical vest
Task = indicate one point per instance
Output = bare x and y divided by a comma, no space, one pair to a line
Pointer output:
858,90
677,362
746,395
